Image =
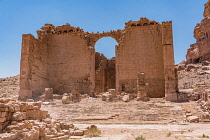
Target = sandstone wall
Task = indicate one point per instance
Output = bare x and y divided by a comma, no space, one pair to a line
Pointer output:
34,67
71,63
170,73
105,74
142,51
111,74
100,73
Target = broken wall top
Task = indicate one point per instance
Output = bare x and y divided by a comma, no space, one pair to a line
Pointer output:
51,29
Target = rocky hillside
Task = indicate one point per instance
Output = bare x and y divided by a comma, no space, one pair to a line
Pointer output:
193,76
9,87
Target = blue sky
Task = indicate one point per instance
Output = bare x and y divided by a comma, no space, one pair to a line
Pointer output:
28,16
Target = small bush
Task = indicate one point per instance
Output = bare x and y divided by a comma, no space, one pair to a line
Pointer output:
205,136
93,131
140,138
190,130
168,134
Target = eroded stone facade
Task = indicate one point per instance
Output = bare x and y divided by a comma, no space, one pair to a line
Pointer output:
200,51
64,58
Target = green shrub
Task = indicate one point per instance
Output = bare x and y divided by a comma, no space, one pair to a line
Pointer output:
168,134
93,131
205,136
140,138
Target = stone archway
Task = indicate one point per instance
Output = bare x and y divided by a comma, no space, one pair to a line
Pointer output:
105,69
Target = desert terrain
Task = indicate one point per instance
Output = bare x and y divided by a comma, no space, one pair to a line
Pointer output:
135,96
130,120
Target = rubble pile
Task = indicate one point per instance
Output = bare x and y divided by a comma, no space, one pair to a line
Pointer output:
74,96
25,120
191,76
194,79
48,95
111,95
205,107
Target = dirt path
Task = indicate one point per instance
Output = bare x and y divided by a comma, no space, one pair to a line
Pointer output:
152,132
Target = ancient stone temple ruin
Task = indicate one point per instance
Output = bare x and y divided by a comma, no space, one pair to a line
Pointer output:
64,58
200,51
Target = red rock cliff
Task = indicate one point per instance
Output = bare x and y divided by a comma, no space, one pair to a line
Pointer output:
201,49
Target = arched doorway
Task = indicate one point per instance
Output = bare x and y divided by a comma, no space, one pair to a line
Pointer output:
105,68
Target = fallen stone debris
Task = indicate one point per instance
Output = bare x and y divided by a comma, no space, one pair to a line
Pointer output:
25,121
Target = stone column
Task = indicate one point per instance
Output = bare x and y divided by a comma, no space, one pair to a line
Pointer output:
168,58
25,67
141,86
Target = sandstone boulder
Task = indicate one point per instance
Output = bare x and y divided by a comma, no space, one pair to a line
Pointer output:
47,95
104,96
205,116
75,95
205,63
78,133
206,68
181,67
191,119
126,98
19,116
190,67
65,99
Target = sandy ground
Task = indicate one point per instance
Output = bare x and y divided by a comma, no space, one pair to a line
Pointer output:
152,132
153,120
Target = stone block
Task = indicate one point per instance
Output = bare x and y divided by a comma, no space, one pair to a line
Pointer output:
33,114
65,99
3,119
31,135
193,119
19,116
23,107
48,91
4,109
3,114
10,128
126,98
43,114
9,136
38,104
78,133
28,124
171,97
